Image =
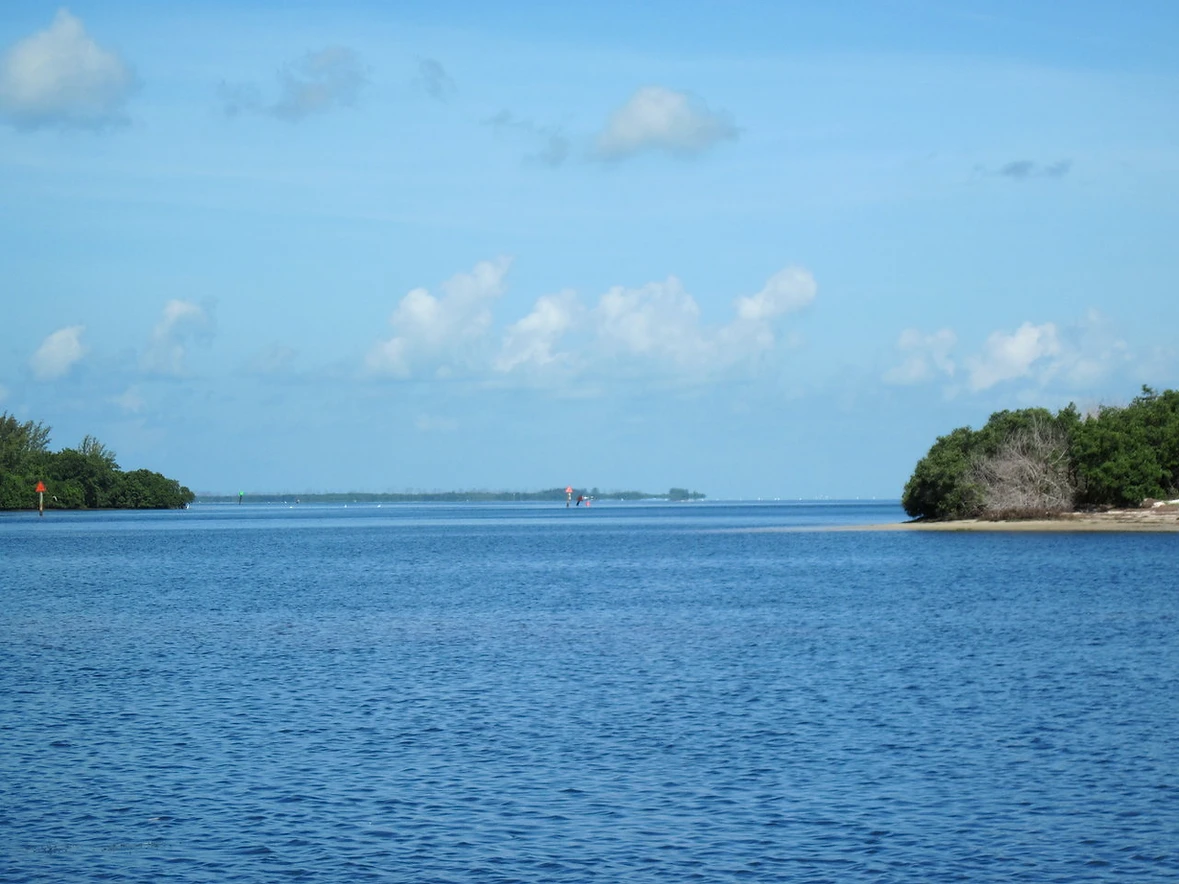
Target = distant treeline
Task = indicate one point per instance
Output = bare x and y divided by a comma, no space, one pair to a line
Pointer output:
551,494
86,477
1032,462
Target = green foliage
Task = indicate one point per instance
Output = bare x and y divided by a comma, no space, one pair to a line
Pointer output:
143,489
1117,457
86,477
1124,455
939,487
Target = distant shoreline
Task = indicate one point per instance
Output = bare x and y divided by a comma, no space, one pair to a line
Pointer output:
548,495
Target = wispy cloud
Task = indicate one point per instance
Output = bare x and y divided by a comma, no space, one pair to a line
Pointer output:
317,83
553,145
182,323
925,356
61,77
58,353
1022,170
1074,355
130,401
428,423
656,118
434,80
277,359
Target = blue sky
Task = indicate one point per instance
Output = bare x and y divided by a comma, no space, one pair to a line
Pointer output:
759,249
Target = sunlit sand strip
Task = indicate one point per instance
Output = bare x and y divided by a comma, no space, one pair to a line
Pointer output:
1121,520
1115,520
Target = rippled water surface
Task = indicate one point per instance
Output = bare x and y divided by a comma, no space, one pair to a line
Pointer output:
628,693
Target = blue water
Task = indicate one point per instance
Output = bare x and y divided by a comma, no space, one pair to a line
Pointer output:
629,693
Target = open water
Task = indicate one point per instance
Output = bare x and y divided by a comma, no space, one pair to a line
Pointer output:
633,693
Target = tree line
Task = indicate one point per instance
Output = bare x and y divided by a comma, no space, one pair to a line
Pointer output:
86,477
1031,462
555,495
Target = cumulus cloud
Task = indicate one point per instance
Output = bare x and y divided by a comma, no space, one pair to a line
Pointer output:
1007,356
787,290
61,77
182,323
319,82
58,353
659,322
433,79
531,342
926,356
653,329
656,118
438,332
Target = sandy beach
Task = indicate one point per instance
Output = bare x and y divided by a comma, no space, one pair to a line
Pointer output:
1162,518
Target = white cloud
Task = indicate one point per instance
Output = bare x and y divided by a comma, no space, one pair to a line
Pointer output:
530,342
439,332
660,323
655,118
130,401
1072,356
58,353
61,77
181,323
652,330
790,289
926,356
318,82
1007,357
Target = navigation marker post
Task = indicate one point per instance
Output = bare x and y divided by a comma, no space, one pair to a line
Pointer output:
240,495
40,489
568,494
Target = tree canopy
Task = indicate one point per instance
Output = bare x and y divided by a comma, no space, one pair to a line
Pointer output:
86,477
1031,461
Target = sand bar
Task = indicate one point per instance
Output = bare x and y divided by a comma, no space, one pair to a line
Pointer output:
1155,519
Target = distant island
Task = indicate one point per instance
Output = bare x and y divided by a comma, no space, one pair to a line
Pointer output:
1033,464
86,477
554,495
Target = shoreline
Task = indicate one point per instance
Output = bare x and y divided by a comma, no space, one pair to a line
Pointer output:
1156,519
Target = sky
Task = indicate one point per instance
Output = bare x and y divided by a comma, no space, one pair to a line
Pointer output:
759,249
